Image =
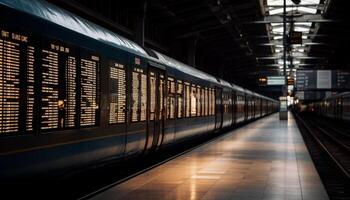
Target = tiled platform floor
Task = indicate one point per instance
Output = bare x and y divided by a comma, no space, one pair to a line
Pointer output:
266,159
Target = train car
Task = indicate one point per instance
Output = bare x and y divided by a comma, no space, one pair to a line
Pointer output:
76,94
239,107
345,112
336,107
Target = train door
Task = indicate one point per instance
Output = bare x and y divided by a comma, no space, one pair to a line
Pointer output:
155,108
218,108
233,107
246,107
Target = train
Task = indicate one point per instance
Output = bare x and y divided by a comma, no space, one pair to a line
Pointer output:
335,107
74,93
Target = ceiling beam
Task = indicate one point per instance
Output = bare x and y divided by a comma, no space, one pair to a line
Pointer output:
295,57
315,6
302,18
276,34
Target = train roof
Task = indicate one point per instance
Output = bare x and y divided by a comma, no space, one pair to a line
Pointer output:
225,83
63,18
237,88
170,62
56,15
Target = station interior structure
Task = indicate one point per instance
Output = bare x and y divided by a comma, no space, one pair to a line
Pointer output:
175,99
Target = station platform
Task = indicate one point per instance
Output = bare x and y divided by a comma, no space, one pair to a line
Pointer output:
266,159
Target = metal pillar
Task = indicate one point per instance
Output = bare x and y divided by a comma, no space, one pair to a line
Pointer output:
139,34
285,89
191,51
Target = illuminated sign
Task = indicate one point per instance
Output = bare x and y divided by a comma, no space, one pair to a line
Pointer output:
276,80
295,37
290,81
88,98
262,81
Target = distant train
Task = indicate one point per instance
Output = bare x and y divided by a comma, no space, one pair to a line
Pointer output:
336,107
73,93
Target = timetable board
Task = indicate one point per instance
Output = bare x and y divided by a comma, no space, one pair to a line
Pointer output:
40,85
88,99
49,89
139,95
118,93
341,79
306,79
322,79
10,60
58,72
61,68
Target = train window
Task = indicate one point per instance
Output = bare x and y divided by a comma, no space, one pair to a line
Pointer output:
180,104
71,90
136,94
152,95
30,87
230,102
193,101
9,87
209,101
143,109
206,101
203,102
49,88
117,87
88,97
161,96
187,99
213,103
225,103
198,98
171,98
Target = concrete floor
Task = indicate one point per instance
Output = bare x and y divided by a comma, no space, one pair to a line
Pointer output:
266,159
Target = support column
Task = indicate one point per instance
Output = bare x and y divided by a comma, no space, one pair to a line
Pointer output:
139,33
285,89
191,51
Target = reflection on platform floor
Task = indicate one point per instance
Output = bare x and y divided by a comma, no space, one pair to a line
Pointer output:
266,159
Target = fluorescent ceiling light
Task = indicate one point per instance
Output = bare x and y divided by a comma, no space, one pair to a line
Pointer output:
277,37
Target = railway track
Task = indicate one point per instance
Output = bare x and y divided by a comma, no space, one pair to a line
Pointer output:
330,151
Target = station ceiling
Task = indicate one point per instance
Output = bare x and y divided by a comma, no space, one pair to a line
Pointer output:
237,40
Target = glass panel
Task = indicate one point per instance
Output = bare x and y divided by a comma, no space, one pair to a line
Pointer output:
9,86
188,99
171,99
206,100
202,102
71,75
180,106
213,102
152,94
136,84
88,98
30,88
143,97
198,97
49,88
118,94
193,101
